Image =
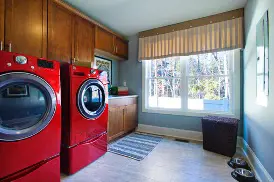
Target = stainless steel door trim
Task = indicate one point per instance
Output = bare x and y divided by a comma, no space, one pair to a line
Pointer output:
81,107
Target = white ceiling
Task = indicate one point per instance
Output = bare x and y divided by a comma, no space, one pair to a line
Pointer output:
129,17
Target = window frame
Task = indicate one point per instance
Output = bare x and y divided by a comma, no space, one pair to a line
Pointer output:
234,77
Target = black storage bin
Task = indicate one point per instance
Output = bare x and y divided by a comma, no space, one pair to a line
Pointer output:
220,134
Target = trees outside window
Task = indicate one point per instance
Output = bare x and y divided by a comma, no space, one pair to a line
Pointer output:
198,82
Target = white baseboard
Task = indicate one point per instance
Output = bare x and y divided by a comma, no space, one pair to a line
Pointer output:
252,159
178,133
255,164
171,132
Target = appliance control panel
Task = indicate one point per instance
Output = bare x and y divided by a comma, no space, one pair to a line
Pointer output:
21,60
44,64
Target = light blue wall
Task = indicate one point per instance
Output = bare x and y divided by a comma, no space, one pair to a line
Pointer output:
131,72
115,72
258,120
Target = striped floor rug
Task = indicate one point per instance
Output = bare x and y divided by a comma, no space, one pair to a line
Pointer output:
136,146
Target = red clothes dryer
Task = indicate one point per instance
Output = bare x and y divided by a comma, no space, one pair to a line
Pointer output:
30,118
84,116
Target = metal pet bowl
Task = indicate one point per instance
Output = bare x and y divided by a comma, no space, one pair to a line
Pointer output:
238,163
243,175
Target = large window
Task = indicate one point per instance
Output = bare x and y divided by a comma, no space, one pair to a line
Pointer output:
193,85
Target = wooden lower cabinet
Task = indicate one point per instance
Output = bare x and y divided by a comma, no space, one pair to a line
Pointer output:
130,117
122,117
115,121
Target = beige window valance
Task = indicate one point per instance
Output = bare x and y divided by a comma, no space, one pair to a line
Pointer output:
222,35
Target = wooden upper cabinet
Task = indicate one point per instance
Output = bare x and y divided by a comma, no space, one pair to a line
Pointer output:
25,26
2,23
121,48
84,40
104,40
60,33
54,30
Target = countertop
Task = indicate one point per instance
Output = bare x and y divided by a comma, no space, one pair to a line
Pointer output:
121,96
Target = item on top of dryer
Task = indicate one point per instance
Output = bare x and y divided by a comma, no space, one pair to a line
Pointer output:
243,175
238,163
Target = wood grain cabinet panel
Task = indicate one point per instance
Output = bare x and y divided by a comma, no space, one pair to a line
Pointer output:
60,33
84,40
104,40
2,23
115,122
25,26
52,29
121,48
122,116
130,118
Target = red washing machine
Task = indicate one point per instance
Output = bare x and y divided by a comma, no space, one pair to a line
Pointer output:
84,116
30,118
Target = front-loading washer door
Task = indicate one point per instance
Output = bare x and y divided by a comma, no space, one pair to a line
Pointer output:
91,99
27,105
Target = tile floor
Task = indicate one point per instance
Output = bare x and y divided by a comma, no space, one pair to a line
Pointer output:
170,161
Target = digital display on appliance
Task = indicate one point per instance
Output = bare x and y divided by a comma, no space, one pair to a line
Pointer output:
45,64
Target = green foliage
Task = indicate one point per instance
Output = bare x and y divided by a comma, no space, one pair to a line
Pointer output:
203,71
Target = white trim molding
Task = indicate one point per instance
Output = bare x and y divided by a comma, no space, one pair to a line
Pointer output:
255,164
171,132
177,133
150,104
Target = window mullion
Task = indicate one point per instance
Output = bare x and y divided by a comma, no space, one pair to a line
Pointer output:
183,87
147,67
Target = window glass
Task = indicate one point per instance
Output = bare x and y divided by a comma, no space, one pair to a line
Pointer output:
164,83
203,82
208,81
22,106
211,94
92,98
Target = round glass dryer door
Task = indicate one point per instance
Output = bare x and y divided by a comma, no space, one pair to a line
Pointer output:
27,105
91,99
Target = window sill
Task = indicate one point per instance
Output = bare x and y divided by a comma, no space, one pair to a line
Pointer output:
189,113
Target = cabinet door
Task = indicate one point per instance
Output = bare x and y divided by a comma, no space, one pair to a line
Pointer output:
130,122
84,40
2,23
115,122
25,26
60,33
121,48
104,40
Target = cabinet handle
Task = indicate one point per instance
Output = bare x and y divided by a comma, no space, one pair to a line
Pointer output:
116,49
74,60
1,46
10,47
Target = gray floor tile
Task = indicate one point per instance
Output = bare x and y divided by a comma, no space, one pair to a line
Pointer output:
170,161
